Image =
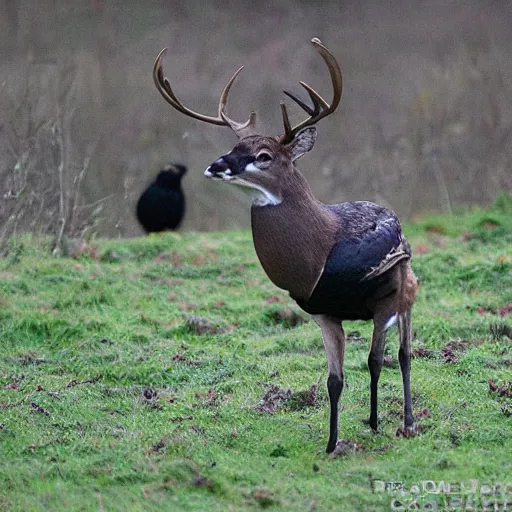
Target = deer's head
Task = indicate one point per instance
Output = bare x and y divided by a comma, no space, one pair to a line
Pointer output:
259,162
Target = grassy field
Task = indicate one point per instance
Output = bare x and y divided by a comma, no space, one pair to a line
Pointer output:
168,373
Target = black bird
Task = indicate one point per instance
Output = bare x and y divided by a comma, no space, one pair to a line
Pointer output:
162,205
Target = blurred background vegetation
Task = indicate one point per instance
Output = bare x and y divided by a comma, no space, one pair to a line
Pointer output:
425,122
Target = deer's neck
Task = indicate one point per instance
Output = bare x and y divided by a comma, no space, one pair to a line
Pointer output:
293,238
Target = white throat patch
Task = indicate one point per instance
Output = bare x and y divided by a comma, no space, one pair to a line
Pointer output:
261,196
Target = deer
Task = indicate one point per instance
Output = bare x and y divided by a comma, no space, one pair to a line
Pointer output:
347,261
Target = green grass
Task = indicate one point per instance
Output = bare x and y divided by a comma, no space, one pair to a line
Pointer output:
113,398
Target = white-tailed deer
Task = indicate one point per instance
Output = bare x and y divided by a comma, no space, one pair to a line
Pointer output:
347,261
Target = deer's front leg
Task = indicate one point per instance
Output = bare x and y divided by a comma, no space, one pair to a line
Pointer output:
334,343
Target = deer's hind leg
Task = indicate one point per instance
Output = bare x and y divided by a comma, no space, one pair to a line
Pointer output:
404,358
375,362
408,291
385,312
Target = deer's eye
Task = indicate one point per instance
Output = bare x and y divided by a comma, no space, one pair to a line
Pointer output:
263,156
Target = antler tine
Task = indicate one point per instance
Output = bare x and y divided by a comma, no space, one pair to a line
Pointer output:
241,129
163,85
301,104
320,108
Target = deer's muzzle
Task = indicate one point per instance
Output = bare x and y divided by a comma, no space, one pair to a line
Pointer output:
227,167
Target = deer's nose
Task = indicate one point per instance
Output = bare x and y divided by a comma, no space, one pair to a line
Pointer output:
219,166
221,169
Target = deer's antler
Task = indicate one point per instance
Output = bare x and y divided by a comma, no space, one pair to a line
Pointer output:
320,108
163,85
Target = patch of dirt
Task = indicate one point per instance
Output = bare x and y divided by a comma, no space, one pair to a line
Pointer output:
202,481
264,498
450,352
286,317
306,398
275,298
157,447
424,413
149,394
505,310
436,229
10,405
150,398
212,398
408,432
15,382
179,419
31,358
489,224
276,398
345,447
199,260
175,259
200,325
73,383
421,249
484,309
504,391
182,358
422,352
38,409
188,307
273,399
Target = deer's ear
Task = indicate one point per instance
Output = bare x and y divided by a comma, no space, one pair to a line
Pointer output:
302,142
